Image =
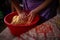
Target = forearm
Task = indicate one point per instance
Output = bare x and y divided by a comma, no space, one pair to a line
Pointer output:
12,7
16,5
42,6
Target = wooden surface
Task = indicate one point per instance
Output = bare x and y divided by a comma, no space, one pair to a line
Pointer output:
50,28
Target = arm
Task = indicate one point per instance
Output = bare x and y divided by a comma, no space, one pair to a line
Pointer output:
42,6
12,7
15,5
33,13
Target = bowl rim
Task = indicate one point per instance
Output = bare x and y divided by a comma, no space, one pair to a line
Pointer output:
18,24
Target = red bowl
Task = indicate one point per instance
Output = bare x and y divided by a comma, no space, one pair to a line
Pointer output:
18,29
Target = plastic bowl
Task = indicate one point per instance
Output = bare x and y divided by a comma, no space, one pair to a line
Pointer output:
18,29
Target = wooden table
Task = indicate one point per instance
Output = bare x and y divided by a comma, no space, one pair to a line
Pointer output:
45,31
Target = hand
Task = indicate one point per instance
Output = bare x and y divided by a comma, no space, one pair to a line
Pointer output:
22,15
31,16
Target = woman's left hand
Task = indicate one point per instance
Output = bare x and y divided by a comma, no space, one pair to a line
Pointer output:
31,16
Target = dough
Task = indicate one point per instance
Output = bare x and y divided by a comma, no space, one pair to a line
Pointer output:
19,19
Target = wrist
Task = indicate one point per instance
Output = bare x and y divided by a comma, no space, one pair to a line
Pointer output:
36,10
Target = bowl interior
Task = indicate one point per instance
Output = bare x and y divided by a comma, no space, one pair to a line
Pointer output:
8,19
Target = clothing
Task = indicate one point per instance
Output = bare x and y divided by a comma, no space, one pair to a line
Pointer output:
48,12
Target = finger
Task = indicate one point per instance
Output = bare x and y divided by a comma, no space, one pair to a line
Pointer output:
30,19
30,14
